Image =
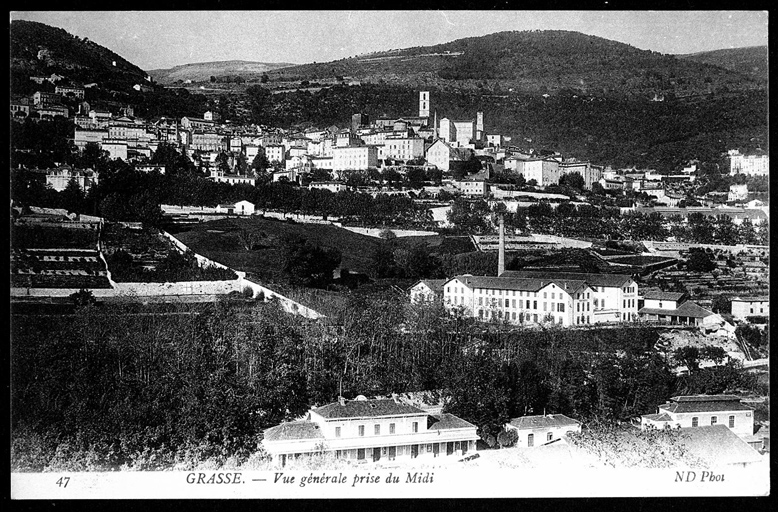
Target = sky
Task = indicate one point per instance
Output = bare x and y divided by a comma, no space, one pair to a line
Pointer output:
163,39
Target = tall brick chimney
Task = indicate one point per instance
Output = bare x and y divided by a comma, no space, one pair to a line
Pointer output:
501,257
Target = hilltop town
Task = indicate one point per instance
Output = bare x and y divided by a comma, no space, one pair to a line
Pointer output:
415,290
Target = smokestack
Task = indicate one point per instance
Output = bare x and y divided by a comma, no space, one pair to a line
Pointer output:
501,258
342,401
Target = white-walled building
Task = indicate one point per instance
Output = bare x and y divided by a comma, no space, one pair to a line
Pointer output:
545,171
354,158
275,153
365,430
465,131
332,186
81,137
440,154
477,188
703,410
427,290
520,301
403,148
742,308
754,165
538,430
614,296
117,148
60,177
447,130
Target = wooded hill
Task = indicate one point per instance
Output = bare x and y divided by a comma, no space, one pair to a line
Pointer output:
532,61
40,50
750,61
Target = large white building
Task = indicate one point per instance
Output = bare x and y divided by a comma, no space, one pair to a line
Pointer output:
702,410
403,148
754,165
742,308
465,132
440,154
447,130
545,171
59,178
614,298
365,430
520,300
354,158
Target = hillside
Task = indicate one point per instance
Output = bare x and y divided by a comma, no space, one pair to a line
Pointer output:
38,49
203,71
750,61
531,61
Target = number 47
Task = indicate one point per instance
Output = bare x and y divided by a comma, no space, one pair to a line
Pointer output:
63,481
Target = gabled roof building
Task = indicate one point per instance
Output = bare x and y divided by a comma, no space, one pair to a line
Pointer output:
363,430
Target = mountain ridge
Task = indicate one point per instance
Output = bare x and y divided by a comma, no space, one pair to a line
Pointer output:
531,61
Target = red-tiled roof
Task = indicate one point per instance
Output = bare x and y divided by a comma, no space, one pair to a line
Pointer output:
366,409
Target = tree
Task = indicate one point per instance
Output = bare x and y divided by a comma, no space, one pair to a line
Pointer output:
260,162
688,356
309,263
265,79
699,261
223,162
572,180
83,298
721,304
241,165
382,261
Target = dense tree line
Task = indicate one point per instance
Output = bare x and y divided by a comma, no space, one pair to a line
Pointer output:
148,391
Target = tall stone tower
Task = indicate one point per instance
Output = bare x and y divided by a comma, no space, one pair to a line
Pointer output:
479,125
424,104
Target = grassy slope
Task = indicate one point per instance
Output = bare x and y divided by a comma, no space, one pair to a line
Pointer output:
219,241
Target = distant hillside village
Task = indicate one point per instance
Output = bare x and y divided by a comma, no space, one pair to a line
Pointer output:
473,162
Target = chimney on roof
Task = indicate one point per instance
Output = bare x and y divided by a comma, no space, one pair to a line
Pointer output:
395,398
501,256
342,401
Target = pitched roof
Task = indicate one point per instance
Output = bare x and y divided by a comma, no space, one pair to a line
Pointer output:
447,421
688,310
436,285
717,444
605,280
763,298
366,409
522,284
658,417
704,403
660,295
544,421
294,430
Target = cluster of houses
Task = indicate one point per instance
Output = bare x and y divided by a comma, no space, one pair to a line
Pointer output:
403,430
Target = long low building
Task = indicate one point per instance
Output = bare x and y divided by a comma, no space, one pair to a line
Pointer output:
363,430
520,300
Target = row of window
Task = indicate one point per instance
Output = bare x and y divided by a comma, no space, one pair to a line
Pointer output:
390,452
377,429
556,306
629,303
713,421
